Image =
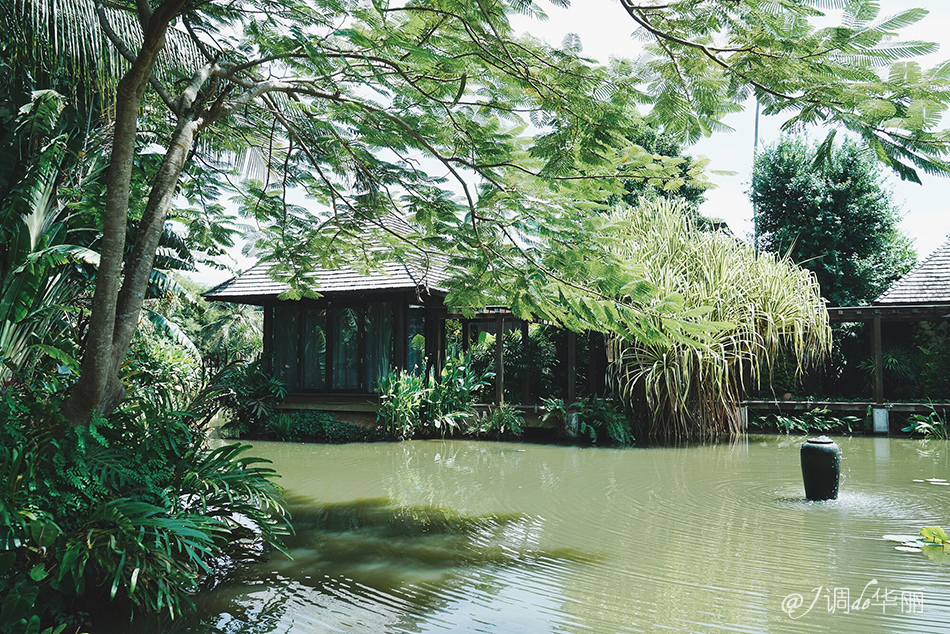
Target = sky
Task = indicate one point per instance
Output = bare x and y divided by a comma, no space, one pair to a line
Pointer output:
606,30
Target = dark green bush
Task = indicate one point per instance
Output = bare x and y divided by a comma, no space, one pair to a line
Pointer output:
929,425
499,423
439,405
399,414
315,426
133,509
814,421
249,398
598,420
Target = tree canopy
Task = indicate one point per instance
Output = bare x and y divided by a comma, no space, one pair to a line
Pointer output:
833,216
706,57
488,138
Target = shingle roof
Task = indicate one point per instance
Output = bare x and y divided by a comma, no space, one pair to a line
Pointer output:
926,283
402,273
256,282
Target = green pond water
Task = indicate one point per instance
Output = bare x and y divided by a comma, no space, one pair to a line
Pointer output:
463,536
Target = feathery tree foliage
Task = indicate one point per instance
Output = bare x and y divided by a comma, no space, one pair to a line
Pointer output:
664,144
424,107
833,216
705,57
766,306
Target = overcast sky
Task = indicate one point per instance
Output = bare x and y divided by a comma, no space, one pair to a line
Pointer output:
605,30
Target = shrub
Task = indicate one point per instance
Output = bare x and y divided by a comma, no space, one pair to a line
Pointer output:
400,404
249,397
499,423
315,426
448,401
597,419
133,507
437,406
816,420
930,425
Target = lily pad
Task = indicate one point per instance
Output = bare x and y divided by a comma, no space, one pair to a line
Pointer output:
909,549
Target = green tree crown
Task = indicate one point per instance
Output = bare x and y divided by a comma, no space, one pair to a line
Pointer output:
832,214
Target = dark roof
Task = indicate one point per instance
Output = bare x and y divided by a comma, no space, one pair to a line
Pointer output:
409,272
926,283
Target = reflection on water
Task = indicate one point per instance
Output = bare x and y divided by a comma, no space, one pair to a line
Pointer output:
461,536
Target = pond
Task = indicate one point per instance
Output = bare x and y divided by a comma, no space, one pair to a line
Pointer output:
464,536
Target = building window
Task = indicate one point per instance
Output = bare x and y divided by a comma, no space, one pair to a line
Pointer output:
285,344
313,363
346,348
345,329
416,345
378,335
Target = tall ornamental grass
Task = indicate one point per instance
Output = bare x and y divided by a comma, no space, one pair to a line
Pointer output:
690,388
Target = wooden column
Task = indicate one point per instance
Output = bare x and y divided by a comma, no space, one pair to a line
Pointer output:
268,347
571,367
878,363
429,331
528,363
442,341
299,347
499,359
400,359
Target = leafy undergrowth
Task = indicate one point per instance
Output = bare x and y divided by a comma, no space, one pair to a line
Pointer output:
133,512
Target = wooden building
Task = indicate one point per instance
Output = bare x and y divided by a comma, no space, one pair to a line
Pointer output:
923,294
331,352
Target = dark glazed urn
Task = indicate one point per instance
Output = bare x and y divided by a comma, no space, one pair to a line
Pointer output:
821,466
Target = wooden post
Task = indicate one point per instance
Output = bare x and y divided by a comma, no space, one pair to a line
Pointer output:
499,359
299,347
429,330
596,363
528,363
361,347
400,360
443,342
878,362
571,367
268,349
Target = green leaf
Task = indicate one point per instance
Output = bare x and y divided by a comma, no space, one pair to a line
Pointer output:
38,572
19,603
7,559
934,534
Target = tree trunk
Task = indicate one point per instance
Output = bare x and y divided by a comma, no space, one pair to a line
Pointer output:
98,388
139,268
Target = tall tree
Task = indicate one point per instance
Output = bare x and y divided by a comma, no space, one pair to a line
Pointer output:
372,107
833,216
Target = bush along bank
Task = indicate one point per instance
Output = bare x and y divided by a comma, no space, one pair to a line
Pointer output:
134,511
415,405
